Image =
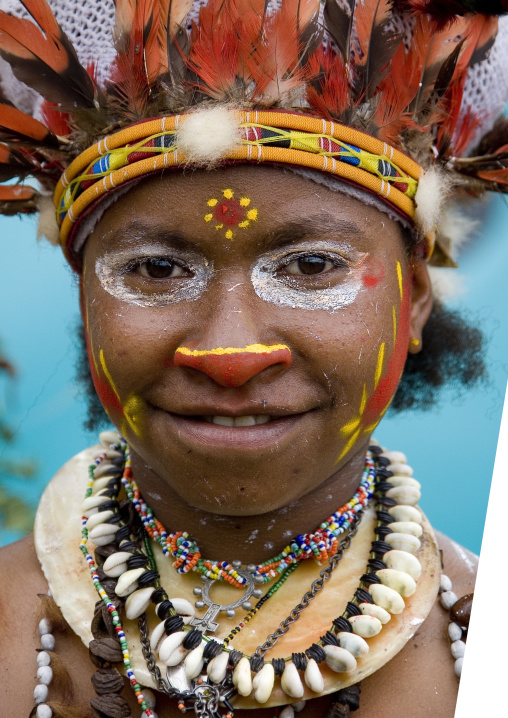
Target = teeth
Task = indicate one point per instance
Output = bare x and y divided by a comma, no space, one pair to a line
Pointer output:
249,420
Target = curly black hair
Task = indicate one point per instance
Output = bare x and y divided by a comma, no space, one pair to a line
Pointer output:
452,354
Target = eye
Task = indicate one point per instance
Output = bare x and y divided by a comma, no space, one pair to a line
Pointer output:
309,265
160,268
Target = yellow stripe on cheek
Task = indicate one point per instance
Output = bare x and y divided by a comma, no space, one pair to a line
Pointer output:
379,365
399,277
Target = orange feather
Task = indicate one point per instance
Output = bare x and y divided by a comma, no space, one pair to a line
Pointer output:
22,125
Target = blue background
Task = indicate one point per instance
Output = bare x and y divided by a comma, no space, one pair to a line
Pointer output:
452,448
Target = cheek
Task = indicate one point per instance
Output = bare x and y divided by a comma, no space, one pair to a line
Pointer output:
373,273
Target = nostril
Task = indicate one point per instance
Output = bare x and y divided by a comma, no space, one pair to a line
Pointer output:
233,366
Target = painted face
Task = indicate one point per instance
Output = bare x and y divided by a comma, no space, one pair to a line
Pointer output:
253,365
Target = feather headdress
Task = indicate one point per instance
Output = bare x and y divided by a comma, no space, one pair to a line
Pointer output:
395,69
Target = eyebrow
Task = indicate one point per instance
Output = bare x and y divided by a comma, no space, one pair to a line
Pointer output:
323,223
136,231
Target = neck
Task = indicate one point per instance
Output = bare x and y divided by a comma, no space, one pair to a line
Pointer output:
250,539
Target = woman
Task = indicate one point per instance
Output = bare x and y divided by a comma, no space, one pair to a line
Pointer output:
247,326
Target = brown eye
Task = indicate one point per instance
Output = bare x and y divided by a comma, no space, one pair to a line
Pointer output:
160,269
312,264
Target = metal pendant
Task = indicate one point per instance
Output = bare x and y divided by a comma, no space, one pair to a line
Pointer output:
207,623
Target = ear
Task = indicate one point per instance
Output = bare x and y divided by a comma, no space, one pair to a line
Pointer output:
421,303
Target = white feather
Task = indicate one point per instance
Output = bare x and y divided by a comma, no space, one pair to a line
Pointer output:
447,283
47,227
432,193
208,135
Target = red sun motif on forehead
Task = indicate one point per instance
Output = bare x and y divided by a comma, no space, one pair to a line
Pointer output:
227,212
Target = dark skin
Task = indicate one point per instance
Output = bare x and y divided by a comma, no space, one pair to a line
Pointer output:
243,491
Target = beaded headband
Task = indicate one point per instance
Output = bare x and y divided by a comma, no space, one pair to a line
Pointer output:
274,137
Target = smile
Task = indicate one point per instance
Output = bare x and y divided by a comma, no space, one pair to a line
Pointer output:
248,420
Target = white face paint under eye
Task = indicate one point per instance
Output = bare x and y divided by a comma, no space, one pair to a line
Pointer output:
329,291
118,275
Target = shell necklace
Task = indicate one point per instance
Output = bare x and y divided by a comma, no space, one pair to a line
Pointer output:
203,672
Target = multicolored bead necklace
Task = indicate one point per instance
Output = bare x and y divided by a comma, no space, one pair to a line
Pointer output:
320,545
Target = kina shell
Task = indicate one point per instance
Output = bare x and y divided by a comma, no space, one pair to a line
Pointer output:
402,512
339,660
406,527
313,677
217,667
194,662
116,564
371,609
263,683
353,643
403,542
128,582
242,677
398,580
138,602
169,652
291,682
365,626
387,598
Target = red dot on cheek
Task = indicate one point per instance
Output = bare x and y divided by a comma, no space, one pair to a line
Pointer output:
374,272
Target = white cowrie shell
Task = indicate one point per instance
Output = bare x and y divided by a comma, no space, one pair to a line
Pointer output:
138,602
402,512
99,518
445,584
106,468
287,712
407,495
387,598
90,503
406,527
109,437
128,582
168,651
263,683
398,580
403,542
365,626
103,534
116,564
313,677
242,677
100,484
404,481
217,667
290,681
158,633
183,608
371,609
400,468
339,660
395,457
454,632
403,561
194,662
353,643
448,599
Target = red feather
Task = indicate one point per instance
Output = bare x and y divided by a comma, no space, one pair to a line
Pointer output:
44,58
328,92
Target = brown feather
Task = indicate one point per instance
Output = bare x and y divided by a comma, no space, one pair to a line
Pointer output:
44,58
339,23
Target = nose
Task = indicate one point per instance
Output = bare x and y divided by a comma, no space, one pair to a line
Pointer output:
233,366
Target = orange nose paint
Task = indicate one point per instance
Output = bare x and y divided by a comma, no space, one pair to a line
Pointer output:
233,366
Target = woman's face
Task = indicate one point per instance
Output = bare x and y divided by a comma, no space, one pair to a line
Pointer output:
190,265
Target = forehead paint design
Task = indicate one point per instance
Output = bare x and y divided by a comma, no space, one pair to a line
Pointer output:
233,366
227,212
116,271
270,285
372,408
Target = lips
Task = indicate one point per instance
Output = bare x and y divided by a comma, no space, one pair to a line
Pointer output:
247,420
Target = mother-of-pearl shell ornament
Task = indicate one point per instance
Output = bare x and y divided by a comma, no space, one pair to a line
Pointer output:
405,551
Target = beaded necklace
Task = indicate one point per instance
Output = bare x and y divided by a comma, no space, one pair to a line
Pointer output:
187,650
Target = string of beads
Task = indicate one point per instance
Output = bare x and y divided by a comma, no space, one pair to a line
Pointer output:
320,545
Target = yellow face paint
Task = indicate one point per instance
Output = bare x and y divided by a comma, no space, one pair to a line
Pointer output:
220,351
228,213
